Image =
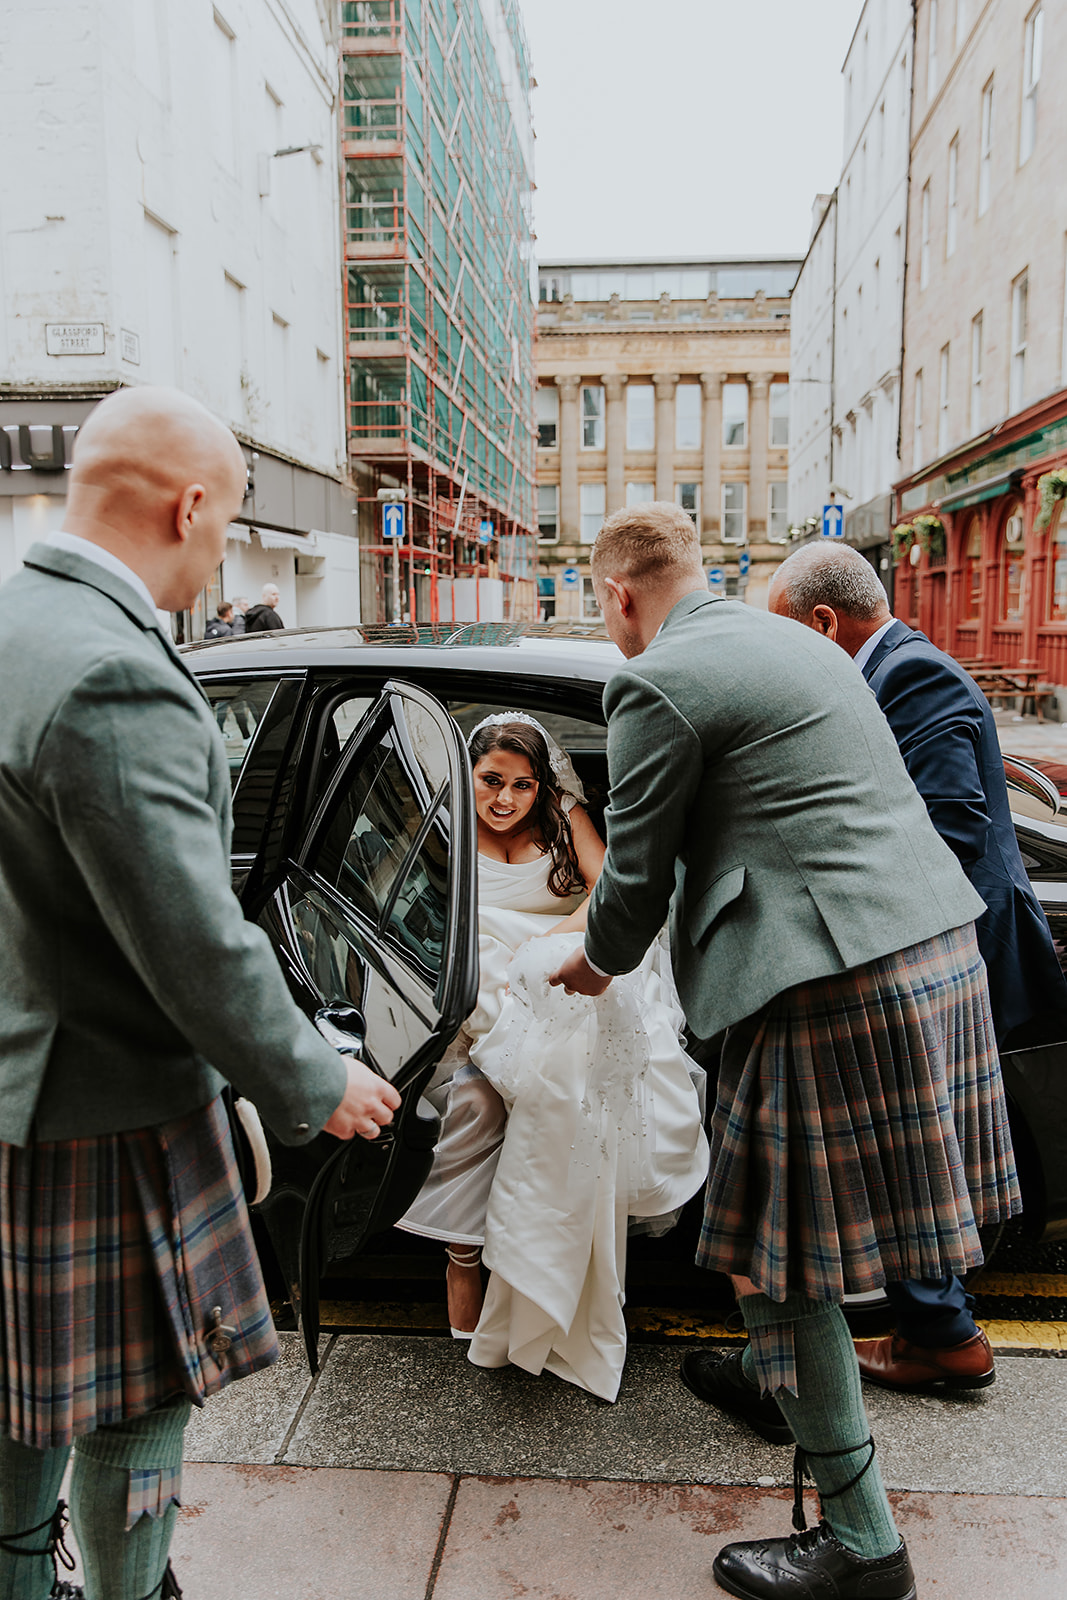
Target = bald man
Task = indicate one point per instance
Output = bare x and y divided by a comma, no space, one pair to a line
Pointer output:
131,990
264,618
948,738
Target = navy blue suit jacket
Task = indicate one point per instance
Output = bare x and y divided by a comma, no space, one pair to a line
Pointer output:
948,739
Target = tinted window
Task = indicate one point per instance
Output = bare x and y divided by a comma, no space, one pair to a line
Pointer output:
396,800
239,707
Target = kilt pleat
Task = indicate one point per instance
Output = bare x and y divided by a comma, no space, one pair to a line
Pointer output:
860,1132
114,1252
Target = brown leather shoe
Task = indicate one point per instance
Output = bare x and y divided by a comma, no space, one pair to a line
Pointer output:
893,1363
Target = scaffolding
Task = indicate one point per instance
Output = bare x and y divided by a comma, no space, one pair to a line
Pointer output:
438,305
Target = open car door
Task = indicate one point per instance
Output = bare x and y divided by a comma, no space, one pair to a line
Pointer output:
376,928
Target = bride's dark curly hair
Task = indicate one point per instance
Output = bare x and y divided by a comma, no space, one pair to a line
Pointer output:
549,818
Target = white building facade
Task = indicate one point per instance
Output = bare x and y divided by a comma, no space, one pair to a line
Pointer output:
847,309
169,215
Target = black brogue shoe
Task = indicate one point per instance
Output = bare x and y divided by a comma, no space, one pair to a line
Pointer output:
716,1376
812,1565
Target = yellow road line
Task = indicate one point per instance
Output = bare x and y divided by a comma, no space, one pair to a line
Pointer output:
1013,1285
1026,1335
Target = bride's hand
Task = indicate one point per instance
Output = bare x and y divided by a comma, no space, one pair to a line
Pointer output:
578,977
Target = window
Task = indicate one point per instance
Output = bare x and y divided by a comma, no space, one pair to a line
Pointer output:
733,513
734,414
952,214
924,238
1063,342
687,495
962,19
1011,586
687,416
590,603
976,374
593,417
640,494
223,91
640,416
778,512
548,513
985,157
972,573
1058,564
1035,27
931,52
779,409
591,500
234,334
918,423
547,416
942,402
1020,294
239,709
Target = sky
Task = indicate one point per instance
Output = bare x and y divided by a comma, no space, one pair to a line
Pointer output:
684,127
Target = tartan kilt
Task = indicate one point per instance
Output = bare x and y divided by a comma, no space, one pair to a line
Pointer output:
114,1252
860,1131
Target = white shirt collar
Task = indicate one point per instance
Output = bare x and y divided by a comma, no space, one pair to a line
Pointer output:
76,545
866,651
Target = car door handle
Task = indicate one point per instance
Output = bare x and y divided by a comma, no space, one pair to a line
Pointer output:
343,1027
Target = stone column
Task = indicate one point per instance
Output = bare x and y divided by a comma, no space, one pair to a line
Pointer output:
615,438
711,489
568,458
759,390
665,384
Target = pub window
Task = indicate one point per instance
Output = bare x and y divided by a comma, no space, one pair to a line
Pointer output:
1011,586
1058,551
972,573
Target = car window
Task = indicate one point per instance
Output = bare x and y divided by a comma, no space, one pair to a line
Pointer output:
585,741
239,706
385,850
346,717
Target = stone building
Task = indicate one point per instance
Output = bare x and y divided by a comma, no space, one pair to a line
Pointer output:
169,215
663,380
846,310
984,423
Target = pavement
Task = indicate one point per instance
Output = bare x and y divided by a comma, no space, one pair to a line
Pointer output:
1028,738
402,1472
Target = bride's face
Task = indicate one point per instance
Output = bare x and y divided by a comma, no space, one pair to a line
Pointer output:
505,790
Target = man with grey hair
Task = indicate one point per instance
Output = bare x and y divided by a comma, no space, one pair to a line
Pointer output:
948,739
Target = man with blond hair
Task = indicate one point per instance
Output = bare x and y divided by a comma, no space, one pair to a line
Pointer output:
820,923
131,990
948,738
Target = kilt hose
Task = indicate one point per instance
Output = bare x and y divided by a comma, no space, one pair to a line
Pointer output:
860,1134
114,1253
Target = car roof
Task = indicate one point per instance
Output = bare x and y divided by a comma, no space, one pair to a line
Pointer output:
576,650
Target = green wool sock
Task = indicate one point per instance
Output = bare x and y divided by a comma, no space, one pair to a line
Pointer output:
29,1493
827,1413
123,1564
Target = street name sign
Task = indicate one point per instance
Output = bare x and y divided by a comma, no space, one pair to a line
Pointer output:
74,338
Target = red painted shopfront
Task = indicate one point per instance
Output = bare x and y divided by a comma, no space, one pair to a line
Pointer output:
998,594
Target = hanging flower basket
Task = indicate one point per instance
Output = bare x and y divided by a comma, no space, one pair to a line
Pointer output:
926,531
1052,486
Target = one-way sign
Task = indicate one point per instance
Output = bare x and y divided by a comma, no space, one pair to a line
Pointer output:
393,519
833,521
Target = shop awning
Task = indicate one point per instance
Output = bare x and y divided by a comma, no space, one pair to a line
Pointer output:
272,540
976,493
239,533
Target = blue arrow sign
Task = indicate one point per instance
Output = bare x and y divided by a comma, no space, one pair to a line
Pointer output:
833,522
485,532
744,561
393,520
716,575
571,575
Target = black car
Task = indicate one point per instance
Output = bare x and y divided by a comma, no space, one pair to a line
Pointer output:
354,847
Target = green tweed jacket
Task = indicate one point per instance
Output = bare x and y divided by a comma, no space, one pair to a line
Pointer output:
757,792
131,985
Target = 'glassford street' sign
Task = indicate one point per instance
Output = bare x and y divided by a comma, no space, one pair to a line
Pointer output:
74,338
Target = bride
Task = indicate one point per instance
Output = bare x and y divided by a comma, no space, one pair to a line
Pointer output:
562,1116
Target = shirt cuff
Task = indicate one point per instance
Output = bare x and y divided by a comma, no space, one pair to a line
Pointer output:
598,970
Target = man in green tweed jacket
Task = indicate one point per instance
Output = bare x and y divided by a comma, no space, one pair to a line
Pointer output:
131,989
759,798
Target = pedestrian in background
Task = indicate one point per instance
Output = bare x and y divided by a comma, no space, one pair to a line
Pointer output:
948,737
221,624
131,1284
239,613
816,917
264,618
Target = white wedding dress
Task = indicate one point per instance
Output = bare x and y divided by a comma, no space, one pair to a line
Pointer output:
562,1118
